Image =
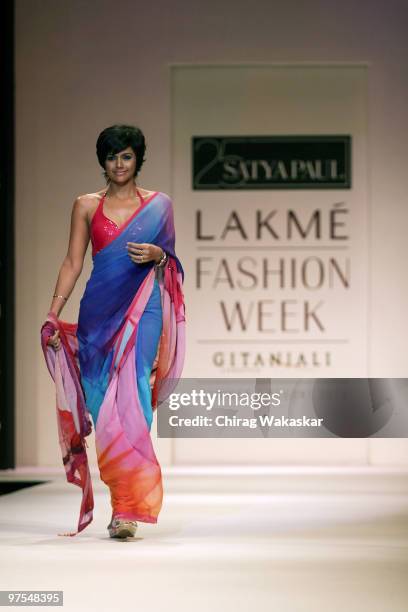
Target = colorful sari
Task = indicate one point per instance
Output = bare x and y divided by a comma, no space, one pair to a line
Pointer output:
95,370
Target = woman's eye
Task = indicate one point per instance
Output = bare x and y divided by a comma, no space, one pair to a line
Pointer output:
112,157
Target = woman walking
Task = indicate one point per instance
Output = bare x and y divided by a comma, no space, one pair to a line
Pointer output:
124,356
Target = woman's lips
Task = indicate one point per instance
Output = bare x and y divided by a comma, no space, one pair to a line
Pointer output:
121,172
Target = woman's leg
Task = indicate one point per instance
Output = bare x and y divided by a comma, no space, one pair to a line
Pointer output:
148,336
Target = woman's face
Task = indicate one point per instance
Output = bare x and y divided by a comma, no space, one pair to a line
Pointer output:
120,167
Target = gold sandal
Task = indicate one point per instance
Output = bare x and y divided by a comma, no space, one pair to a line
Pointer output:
122,528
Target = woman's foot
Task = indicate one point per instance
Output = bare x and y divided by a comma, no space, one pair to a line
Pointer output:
122,528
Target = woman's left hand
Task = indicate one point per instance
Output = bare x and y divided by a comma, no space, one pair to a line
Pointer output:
143,252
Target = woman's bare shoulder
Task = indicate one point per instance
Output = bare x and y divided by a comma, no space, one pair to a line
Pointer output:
90,198
87,203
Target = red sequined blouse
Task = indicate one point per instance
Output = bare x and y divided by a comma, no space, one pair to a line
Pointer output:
104,230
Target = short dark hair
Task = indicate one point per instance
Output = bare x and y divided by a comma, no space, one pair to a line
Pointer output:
118,137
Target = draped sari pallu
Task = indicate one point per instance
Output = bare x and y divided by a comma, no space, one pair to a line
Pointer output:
95,368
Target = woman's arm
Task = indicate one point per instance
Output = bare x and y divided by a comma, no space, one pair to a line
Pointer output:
71,267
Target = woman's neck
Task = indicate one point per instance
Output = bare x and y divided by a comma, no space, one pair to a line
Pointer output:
121,192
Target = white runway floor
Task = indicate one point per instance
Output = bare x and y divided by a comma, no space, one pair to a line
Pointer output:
275,539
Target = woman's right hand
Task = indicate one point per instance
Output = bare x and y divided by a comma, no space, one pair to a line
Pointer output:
55,341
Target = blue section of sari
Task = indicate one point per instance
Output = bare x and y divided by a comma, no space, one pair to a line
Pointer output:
114,281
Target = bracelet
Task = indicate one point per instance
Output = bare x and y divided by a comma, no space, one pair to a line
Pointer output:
61,296
162,259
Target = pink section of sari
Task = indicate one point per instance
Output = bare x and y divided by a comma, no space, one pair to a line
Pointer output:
73,420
